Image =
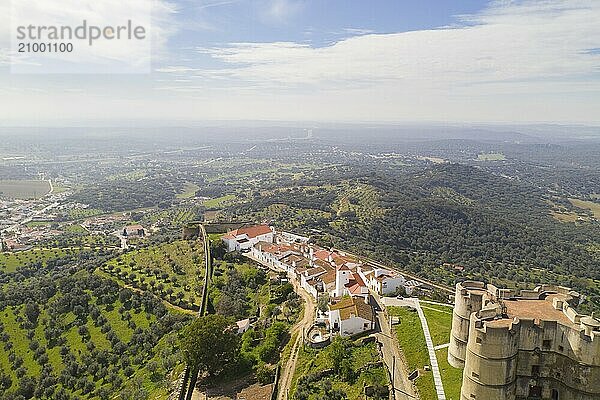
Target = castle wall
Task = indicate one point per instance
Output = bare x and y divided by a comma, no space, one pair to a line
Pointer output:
551,387
554,356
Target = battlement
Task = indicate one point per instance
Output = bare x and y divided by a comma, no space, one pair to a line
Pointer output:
493,299
503,338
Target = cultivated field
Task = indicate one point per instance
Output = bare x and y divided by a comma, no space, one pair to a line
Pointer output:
172,271
189,191
565,216
10,261
88,342
219,201
24,189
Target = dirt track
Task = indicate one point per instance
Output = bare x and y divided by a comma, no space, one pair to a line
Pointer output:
287,370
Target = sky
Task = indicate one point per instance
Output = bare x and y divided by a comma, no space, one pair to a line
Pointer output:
337,60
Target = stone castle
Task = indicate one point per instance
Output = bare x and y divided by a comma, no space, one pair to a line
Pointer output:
530,344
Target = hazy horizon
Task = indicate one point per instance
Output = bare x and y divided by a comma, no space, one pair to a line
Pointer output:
471,61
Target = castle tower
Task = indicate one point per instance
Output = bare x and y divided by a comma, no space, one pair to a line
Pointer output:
468,299
528,344
491,360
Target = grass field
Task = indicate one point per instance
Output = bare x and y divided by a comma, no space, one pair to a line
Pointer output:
565,216
412,342
59,188
75,229
451,377
81,213
587,205
37,224
24,189
189,191
491,157
439,320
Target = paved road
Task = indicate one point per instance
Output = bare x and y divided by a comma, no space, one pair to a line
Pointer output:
393,358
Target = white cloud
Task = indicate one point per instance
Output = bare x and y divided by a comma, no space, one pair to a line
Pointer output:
177,69
4,57
516,61
358,31
508,42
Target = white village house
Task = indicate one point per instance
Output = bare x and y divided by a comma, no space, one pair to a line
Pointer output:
382,281
246,238
351,316
243,325
349,283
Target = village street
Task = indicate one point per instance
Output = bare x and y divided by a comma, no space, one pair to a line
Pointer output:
392,356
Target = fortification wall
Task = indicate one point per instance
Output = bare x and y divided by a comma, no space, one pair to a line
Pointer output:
553,355
551,389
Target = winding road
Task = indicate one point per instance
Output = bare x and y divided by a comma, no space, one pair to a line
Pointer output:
287,370
308,318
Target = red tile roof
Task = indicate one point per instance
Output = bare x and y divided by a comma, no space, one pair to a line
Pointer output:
329,277
350,307
251,231
324,254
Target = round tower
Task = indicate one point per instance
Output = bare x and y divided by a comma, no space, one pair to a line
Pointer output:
467,300
491,359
